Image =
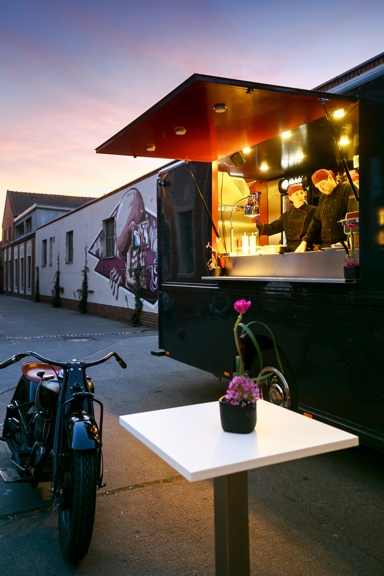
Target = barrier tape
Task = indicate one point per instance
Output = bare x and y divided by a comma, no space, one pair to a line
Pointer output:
72,335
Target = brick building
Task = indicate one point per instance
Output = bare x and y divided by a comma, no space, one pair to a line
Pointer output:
23,213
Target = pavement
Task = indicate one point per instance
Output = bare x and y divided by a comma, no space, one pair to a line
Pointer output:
316,516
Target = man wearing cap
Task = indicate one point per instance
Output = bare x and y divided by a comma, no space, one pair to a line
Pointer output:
294,222
335,201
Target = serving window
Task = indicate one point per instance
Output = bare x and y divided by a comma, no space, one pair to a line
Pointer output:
264,172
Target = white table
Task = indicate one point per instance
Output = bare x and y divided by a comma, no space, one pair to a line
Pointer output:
191,440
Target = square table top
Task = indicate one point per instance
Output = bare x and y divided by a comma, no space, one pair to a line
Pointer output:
191,440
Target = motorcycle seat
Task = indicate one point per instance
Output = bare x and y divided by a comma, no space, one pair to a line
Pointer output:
30,370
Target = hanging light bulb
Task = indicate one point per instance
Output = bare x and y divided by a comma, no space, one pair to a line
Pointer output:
220,108
179,130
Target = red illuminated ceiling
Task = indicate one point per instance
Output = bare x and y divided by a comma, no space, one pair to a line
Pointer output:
255,113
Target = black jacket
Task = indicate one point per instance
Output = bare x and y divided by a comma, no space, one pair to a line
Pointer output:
293,222
332,207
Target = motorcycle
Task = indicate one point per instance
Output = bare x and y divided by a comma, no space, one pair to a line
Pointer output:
54,436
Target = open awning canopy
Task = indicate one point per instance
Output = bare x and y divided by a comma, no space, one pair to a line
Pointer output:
254,113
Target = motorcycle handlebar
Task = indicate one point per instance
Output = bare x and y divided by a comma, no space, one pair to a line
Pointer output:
118,358
18,357
15,358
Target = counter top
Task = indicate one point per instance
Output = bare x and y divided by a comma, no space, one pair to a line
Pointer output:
277,279
322,266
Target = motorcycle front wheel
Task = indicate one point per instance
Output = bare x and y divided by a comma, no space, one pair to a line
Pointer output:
77,506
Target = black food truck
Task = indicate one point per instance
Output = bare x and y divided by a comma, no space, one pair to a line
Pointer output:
239,145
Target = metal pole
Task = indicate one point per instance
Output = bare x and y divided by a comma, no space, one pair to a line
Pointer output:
231,525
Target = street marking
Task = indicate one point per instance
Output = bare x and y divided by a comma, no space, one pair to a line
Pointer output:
11,338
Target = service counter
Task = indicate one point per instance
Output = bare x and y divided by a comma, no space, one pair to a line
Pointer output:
323,266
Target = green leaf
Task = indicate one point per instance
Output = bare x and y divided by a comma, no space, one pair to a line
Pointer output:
253,338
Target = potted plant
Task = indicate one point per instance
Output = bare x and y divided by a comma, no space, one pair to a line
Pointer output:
238,406
351,264
213,262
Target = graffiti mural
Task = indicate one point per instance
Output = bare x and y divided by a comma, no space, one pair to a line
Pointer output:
128,239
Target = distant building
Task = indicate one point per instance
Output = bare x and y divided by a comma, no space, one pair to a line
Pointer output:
1,269
351,81
23,213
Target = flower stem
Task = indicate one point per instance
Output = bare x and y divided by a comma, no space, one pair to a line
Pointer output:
235,329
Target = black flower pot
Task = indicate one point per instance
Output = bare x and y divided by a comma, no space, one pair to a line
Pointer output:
352,273
237,419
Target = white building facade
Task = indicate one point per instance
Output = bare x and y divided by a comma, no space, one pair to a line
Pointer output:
115,238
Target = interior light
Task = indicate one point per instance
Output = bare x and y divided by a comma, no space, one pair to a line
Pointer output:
286,134
339,113
246,150
344,140
264,166
151,148
299,156
220,108
179,130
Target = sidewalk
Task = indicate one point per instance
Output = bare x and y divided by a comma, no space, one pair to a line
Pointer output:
318,516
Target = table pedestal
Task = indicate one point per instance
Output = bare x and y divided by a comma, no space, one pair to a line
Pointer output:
231,525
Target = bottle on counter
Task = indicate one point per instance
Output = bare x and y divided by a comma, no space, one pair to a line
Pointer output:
245,243
252,243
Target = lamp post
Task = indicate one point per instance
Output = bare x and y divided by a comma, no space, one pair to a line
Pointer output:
250,210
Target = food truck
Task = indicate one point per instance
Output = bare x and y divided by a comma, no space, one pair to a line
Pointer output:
237,147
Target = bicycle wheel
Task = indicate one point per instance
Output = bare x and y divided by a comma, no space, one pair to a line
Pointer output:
77,507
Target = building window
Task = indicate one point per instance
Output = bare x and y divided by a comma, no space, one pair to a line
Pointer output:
28,225
109,238
44,253
15,275
20,229
50,251
69,247
21,274
5,271
29,273
7,235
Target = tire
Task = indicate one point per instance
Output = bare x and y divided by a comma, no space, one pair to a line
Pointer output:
77,506
279,389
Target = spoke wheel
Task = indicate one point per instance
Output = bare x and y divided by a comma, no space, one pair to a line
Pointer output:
279,389
77,505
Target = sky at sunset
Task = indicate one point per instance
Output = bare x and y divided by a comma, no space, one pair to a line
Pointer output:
74,73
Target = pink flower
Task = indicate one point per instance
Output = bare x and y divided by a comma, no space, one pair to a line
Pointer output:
241,306
242,391
351,263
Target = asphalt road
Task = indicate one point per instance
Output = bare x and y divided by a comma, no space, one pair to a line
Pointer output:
316,516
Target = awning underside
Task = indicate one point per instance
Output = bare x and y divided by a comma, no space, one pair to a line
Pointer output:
255,113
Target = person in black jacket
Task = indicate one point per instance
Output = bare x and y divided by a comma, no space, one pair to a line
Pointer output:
294,222
335,201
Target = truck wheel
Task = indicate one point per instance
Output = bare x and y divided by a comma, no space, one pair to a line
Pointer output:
279,389
77,505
